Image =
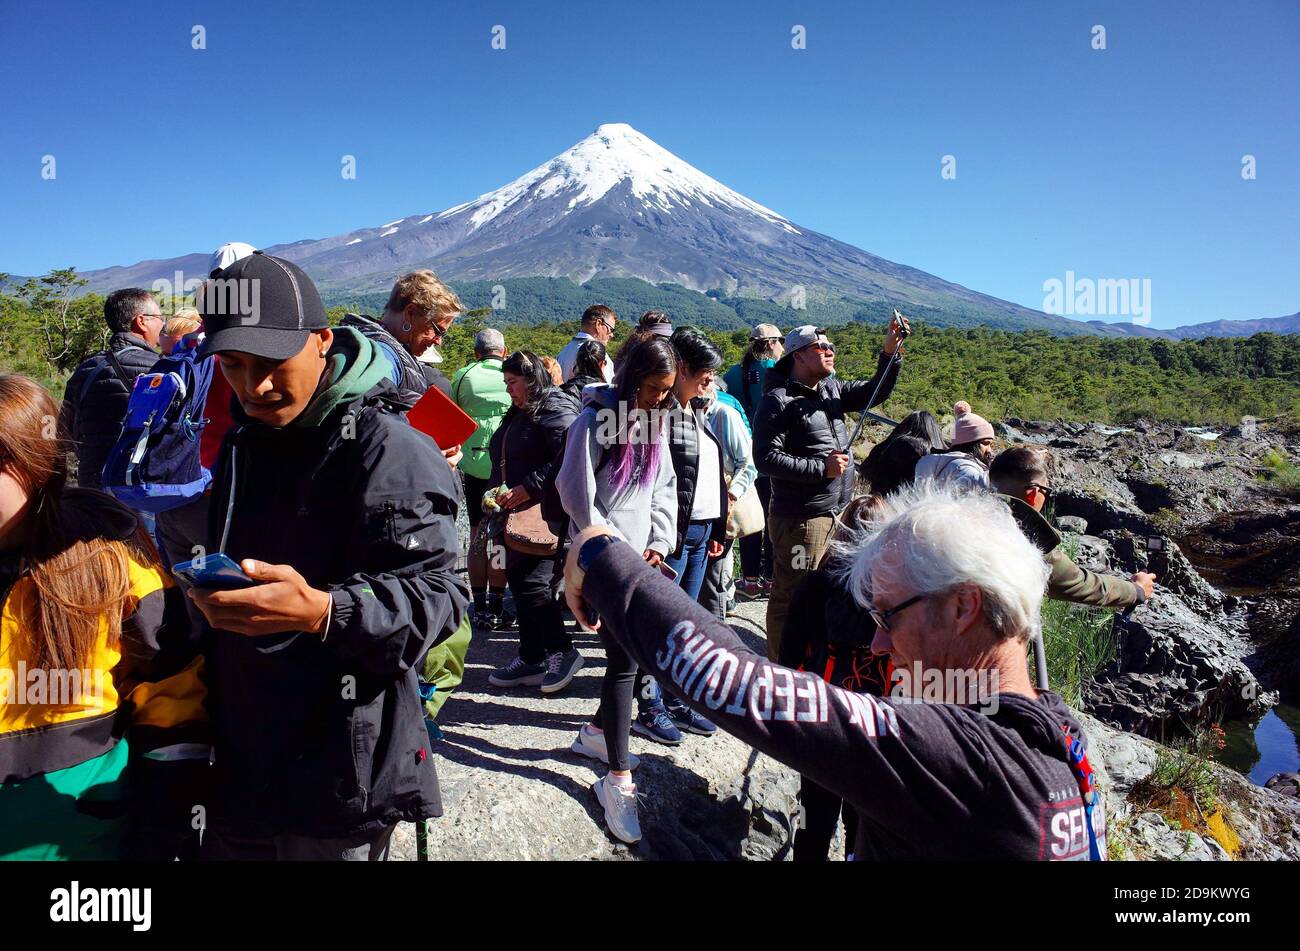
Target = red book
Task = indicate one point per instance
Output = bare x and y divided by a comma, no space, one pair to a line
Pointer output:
437,416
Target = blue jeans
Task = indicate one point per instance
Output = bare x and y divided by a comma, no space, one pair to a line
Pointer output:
693,560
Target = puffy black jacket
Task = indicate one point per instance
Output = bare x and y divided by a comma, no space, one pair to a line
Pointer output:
325,736
683,443
796,428
531,445
94,402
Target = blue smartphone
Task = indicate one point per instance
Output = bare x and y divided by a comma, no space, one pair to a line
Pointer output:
216,572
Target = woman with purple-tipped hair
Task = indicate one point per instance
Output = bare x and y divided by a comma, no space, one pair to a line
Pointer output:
617,471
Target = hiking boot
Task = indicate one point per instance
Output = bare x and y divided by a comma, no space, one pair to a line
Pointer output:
593,746
749,588
654,723
560,668
619,803
687,719
517,674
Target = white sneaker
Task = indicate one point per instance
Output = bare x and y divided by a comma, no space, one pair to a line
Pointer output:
619,803
593,746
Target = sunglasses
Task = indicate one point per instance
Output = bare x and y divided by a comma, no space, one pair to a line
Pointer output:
882,617
1045,490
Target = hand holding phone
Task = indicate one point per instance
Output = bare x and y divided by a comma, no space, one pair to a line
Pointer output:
215,572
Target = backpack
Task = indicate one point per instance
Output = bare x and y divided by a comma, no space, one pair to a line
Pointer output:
91,369
154,466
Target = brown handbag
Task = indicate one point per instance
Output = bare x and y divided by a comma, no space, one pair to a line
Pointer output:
526,532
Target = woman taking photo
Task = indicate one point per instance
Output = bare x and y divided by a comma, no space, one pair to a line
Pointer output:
617,472
98,676
524,449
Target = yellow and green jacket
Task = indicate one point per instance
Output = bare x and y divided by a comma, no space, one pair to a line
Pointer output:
66,737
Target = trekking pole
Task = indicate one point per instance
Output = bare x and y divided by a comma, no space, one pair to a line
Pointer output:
895,358
1040,662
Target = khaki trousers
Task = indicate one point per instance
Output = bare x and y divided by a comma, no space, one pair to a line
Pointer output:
797,546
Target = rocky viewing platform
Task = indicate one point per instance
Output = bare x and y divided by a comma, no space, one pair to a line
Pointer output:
1219,643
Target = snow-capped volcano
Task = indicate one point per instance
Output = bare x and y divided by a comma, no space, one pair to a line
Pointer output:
615,205
615,153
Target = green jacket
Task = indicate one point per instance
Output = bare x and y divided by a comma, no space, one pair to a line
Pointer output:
479,388
1069,582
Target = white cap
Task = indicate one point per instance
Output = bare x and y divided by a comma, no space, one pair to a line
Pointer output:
227,255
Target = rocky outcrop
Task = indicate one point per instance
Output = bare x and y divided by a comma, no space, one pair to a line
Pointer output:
1172,673
1151,496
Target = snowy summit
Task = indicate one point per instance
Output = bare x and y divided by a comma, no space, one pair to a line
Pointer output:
613,154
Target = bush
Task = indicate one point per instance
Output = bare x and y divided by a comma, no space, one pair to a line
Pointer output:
1280,473
1078,643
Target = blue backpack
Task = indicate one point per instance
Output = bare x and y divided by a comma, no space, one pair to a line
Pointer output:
154,466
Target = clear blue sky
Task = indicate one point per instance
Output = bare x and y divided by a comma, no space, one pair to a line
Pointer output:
1117,163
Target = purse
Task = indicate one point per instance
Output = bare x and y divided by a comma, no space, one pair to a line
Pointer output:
745,517
526,532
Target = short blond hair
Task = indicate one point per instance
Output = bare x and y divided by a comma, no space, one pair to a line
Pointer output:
422,288
185,321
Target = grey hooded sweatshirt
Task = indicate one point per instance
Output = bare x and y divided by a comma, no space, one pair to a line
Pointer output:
646,516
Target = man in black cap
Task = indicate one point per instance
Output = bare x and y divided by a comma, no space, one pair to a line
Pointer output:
801,443
345,517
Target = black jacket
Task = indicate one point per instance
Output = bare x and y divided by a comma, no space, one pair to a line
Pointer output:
531,445
683,443
573,389
326,737
94,402
796,428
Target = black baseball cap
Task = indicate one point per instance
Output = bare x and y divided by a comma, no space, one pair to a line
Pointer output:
262,305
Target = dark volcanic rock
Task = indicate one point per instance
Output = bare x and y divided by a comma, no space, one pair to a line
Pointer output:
1174,671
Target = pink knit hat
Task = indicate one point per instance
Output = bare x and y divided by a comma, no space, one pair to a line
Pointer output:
969,427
